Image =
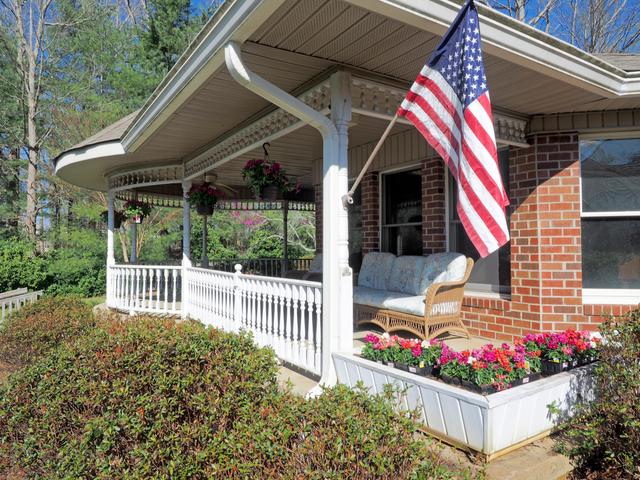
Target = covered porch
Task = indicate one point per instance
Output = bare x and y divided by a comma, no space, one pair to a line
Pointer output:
288,314
320,81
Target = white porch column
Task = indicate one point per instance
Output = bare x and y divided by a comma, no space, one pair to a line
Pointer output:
111,259
337,277
336,305
186,225
111,197
186,248
133,258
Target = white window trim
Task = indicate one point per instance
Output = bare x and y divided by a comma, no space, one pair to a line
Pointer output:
608,296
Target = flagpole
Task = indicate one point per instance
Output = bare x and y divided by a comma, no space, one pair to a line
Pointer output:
348,198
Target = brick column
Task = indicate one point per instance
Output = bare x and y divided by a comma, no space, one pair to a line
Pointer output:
433,206
546,259
317,190
560,233
525,255
370,213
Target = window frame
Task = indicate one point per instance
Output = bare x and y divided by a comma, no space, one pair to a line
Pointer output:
486,290
382,200
607,296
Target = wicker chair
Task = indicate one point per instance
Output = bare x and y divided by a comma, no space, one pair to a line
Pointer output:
413,303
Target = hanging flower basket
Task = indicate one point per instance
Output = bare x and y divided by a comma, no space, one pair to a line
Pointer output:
204,198
117,218
266,179
135,211
269,193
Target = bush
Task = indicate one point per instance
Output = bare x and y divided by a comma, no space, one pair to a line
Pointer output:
603,441
156,399
19,266
36,329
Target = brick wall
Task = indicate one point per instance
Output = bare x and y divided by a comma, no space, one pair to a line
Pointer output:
433,206
370,213
595,314
560,234
546,261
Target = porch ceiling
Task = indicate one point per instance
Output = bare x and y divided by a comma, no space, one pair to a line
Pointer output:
345,34
302,41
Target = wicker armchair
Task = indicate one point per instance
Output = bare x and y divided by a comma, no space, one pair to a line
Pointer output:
440,313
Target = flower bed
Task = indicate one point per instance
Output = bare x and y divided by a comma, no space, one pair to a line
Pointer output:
490,424
488,369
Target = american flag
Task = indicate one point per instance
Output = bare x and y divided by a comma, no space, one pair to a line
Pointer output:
449,104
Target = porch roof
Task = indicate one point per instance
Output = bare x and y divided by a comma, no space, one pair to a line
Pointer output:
297,43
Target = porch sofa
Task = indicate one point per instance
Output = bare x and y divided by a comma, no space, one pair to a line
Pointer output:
421,295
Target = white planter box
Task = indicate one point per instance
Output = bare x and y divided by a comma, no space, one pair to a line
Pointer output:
487,424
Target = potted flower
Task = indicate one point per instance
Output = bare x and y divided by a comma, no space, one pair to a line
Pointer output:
453,366
266,178
204,197
117,218
370,351
425,357
136,210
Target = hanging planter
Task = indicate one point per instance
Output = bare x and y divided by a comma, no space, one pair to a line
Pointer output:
266,178
135,211
269,193
204,198
117,218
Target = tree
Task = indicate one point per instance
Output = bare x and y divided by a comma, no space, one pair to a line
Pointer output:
602,26
596,26
25,42
534,12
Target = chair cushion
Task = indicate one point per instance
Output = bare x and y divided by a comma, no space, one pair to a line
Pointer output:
375,269
398,302
442,267
406,275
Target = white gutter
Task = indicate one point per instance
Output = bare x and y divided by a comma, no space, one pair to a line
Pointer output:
335,274
90,152
516,42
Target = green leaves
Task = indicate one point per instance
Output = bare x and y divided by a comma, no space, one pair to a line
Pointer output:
603,441
152,398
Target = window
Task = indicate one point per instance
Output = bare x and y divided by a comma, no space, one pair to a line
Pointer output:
492,273
355,230
402,213
610,172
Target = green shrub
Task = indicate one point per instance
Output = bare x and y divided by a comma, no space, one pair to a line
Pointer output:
19,266
603,441
36,329
146,398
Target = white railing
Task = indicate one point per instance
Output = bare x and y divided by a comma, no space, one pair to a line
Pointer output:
15,300
270,267
281,313
145,288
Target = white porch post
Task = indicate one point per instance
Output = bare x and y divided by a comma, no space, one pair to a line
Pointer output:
133,258
186,247
336,304
111,259
186,225
337,276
